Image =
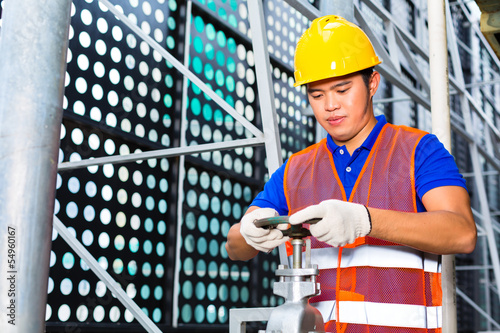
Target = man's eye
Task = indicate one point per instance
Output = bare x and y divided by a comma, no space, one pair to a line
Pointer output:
342,91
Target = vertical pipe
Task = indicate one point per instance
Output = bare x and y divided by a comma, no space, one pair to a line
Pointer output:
32,69
297,252
440,107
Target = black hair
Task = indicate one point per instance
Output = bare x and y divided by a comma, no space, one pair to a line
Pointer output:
366,74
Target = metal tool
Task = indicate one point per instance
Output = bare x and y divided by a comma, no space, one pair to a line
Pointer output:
294,231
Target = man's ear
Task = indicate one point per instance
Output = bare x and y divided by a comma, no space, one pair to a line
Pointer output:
374,82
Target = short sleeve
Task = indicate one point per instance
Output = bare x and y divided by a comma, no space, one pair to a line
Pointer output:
435,166
273,195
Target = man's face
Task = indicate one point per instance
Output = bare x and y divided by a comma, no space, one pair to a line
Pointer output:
343,106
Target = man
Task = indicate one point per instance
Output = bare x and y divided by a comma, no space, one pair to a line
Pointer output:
390,198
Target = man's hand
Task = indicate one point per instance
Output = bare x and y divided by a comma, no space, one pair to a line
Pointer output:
341,222
259,238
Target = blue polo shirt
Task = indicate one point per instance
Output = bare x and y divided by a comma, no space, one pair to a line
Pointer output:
434,167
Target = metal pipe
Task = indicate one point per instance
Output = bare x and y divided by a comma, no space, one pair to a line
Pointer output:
440,109
33,50
297,252
162,153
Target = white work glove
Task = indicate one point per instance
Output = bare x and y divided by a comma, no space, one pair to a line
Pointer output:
341,222
259,238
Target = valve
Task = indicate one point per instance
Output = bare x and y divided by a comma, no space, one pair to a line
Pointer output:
296,284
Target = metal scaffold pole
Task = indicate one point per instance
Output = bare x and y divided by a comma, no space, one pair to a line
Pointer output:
440,109
33,48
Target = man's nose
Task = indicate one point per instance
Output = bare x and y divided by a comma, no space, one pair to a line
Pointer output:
331,102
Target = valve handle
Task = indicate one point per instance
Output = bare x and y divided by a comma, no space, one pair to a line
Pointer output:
295,230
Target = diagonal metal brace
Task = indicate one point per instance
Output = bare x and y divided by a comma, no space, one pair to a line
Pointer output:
108,280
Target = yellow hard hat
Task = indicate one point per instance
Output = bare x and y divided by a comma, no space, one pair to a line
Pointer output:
331,47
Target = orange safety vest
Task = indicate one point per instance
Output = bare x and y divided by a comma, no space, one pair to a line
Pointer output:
371,285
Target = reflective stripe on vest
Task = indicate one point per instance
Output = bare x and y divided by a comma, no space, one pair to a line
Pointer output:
376,256
383,314
376,282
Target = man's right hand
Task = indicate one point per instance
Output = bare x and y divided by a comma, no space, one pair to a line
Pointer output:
261,239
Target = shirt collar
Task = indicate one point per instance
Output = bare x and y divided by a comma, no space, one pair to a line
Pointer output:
369,141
